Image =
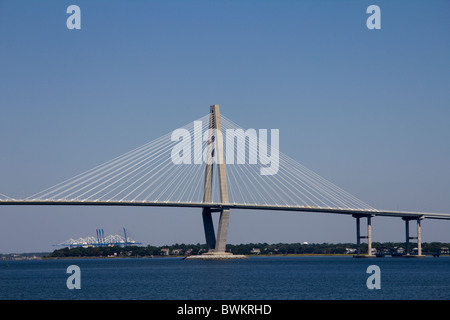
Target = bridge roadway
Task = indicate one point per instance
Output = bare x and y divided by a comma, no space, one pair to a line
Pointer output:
219,206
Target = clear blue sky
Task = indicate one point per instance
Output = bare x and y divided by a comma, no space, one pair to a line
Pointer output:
367,109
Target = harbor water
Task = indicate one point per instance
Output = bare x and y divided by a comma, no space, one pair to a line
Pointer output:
256,278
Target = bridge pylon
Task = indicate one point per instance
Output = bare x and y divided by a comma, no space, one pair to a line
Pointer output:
215,145
216,246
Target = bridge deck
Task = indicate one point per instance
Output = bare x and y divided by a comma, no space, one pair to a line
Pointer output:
356,212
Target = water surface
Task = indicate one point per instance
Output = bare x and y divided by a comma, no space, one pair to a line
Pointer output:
256,278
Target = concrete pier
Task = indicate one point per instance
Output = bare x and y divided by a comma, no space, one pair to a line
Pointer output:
418,238
359,237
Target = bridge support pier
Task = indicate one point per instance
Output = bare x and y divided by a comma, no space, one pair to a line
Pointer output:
359,237
418,238
209,228
222,230
212,244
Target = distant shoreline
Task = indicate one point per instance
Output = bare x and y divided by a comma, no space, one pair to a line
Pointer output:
171,256
249,249
183,256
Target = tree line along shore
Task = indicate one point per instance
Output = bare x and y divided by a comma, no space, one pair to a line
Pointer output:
247,249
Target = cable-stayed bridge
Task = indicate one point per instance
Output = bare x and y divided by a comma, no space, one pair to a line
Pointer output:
215,165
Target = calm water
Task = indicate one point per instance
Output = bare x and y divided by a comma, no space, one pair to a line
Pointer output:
258,278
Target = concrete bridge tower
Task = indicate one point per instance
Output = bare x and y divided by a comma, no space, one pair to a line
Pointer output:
216,246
